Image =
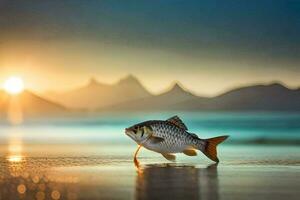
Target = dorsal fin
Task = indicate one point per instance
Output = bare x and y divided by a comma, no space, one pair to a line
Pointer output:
178,122
194,135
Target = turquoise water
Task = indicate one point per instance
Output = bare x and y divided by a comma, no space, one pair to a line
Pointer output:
251,127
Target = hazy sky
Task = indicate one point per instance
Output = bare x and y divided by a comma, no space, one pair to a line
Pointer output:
208,45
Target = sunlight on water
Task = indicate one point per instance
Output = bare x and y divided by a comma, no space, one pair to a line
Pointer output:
14,158
34,179
15,146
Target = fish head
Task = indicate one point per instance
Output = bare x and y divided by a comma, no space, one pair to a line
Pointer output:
139,133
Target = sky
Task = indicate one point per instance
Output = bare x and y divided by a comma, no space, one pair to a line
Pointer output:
209,46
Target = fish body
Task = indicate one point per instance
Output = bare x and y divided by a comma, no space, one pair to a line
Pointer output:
176,139
171,136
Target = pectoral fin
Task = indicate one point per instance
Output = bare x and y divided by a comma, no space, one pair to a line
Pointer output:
190,152
155,140
169,157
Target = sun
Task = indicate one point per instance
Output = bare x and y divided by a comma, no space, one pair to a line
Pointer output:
14,85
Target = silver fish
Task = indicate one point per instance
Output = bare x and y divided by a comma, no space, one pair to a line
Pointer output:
171,136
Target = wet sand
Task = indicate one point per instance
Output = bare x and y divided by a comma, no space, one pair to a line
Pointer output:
77,173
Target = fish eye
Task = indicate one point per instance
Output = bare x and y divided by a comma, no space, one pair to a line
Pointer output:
135,130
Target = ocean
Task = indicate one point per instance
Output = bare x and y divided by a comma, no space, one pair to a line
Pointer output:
90,157
243,127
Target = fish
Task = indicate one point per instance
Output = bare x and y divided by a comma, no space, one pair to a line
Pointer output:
171,136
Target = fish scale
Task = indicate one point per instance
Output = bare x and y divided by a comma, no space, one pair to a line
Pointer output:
176,139
171,136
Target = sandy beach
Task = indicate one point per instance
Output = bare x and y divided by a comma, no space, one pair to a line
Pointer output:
81,172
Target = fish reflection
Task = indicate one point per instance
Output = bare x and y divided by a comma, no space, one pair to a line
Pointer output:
163,181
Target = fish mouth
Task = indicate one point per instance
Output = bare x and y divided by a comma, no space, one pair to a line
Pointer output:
129,133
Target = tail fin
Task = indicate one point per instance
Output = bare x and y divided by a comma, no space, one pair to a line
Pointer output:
210,149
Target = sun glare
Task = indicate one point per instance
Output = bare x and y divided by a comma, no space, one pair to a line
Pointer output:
14,85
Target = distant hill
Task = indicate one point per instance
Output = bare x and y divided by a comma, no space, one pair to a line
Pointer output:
174,95
98,95
128,94
272,97
29,103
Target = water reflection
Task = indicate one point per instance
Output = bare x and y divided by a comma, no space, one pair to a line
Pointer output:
28,178
163,181
15,146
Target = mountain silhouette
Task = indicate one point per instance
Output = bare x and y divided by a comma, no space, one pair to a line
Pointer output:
98,95
272,97
174,95
128,94
29,104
